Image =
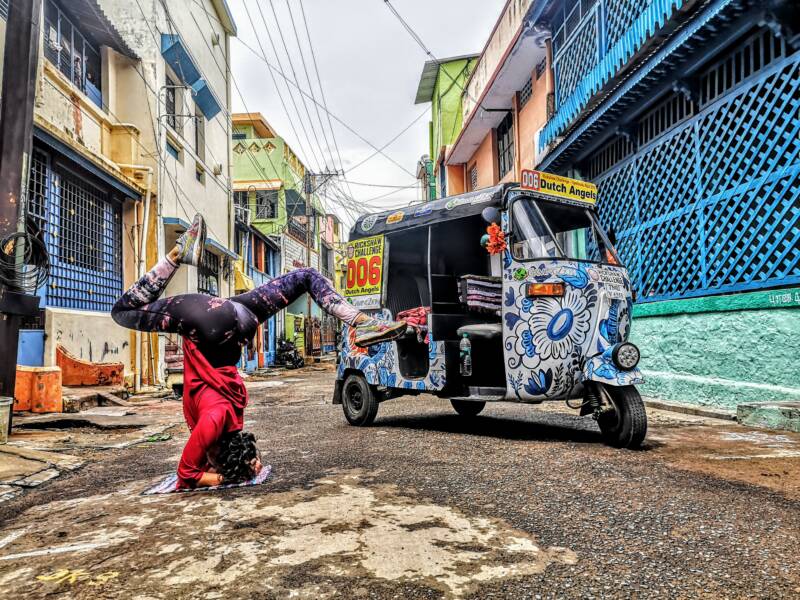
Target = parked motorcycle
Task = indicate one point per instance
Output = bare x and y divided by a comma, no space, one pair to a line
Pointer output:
287,355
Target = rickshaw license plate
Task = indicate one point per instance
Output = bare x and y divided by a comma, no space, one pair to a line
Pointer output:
615,293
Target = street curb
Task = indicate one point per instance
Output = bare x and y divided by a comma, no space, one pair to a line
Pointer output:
697,411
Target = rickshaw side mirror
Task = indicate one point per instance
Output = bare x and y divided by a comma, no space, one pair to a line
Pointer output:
491,215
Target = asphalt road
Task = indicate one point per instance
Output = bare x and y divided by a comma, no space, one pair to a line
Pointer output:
517,503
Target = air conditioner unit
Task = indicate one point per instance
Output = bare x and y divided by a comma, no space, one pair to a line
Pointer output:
218,170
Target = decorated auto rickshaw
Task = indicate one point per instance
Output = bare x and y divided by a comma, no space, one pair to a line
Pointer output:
511,294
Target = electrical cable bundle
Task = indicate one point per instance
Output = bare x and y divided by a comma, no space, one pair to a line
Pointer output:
29,268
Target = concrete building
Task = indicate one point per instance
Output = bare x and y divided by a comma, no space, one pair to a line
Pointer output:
131,138
687,117
442,84
269,182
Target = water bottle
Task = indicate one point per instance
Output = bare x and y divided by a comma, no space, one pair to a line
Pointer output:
465,348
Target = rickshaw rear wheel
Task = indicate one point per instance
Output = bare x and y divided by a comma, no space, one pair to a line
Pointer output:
624,423
467,408
358,401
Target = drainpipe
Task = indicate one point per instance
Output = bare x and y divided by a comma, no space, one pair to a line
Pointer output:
142,247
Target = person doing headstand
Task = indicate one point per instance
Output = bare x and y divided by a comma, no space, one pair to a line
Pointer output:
214,330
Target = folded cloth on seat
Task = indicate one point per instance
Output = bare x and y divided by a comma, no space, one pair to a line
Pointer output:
417,319
169,484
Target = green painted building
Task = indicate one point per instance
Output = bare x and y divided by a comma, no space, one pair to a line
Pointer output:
273,232
442,83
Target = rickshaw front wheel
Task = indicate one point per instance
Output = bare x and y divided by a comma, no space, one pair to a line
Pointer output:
467,408
623,423
358,401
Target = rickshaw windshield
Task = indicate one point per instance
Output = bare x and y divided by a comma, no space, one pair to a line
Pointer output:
545,229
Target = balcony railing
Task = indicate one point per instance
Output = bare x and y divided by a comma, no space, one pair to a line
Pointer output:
297,230
241,214
606,39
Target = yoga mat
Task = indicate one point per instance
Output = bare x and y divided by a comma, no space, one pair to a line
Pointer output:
168,485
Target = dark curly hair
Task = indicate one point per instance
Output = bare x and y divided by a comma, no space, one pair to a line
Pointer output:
235,454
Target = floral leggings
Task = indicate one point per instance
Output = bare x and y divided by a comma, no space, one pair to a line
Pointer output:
221,326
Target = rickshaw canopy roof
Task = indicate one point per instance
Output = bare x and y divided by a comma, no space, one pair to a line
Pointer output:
437,211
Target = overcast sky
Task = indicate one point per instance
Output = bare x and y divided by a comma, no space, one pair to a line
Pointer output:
369,68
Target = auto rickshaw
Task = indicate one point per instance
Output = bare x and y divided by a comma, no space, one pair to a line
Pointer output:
544,306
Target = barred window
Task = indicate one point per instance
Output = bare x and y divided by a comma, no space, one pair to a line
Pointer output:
81,223
671,111
525,93
505,145
4,9
541,67
170,102
746,59
82,229
266,204
473,178
240,198
74,55
208,274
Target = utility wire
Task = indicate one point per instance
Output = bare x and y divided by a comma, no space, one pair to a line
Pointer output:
294,75
322,92
310,87
389,143
331,113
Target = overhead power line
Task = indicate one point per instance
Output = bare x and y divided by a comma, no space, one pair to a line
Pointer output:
331,113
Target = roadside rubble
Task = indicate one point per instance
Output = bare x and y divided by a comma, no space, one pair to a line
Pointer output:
44,446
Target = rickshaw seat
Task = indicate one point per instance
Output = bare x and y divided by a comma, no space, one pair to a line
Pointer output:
481,331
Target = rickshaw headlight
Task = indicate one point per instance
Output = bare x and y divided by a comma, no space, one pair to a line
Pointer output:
625,356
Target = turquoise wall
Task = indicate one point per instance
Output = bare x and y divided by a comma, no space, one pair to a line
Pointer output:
721,351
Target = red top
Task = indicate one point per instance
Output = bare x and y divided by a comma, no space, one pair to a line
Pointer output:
213,404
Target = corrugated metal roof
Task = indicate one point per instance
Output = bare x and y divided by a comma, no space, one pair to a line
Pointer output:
93,22
430,70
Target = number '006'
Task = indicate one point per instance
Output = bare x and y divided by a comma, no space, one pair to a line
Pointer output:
361,272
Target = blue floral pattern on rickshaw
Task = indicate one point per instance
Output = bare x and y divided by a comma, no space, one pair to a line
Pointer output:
379,364
547,338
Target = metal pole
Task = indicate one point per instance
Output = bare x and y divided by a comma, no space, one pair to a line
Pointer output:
16,138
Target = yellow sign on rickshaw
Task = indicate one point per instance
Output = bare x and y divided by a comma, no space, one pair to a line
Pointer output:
559,187
365,272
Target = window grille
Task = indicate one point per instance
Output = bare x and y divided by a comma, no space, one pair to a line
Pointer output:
540,68
208,274
662,118
240,199
613,152
473,178
326,261
199,134
76,57
297,229
525,93
4,9
505,144
170,102
758,51
713,205
82,230
266,204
